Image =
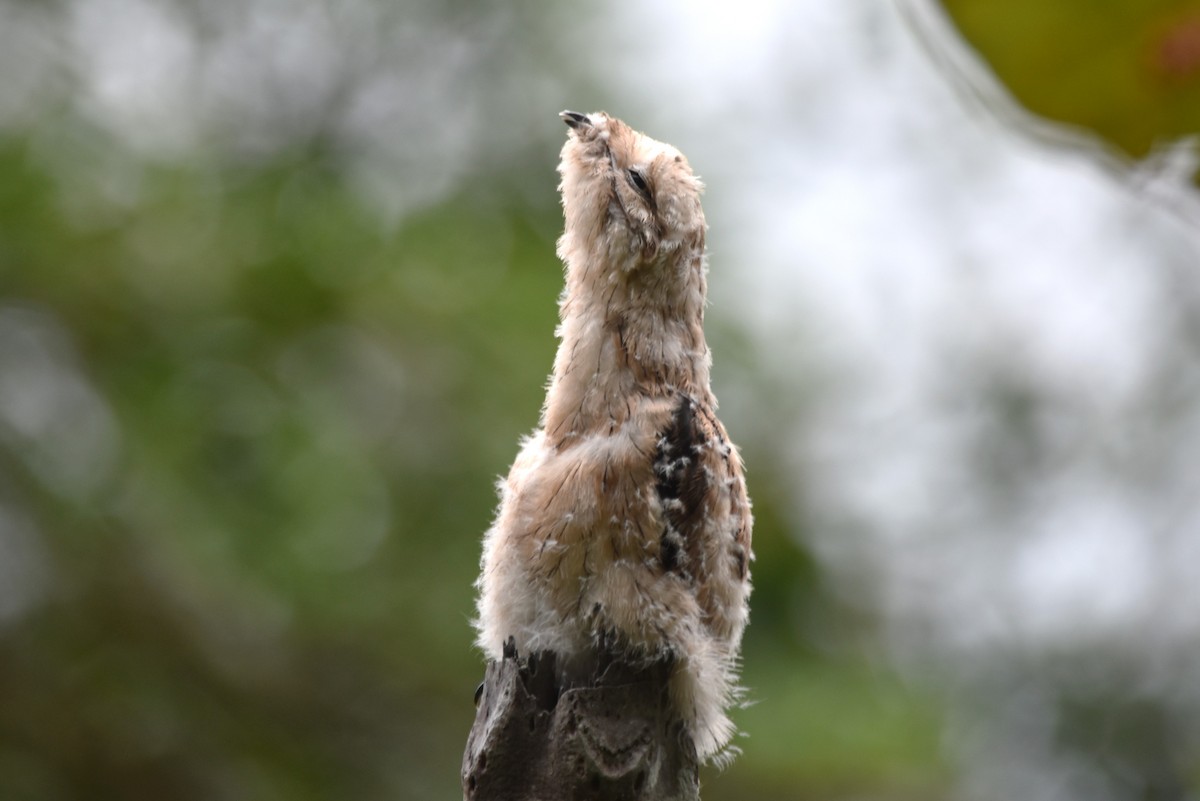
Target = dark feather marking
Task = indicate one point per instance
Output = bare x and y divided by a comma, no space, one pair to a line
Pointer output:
641,534
546,539
579,410
619,327
681,484
743,567
608,301
561,484
669,550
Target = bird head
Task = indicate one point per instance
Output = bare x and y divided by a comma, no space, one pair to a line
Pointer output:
627,198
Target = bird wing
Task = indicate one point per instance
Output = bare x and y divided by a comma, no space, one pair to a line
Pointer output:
706,514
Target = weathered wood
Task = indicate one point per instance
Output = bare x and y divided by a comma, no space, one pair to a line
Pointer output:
610,736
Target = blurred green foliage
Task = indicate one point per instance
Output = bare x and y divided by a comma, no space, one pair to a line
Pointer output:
1128,72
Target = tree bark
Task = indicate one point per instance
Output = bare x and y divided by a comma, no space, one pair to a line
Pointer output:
610,736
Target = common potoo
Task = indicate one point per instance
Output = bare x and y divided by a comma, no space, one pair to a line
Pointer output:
624,521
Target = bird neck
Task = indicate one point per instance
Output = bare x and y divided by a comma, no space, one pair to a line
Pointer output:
624,337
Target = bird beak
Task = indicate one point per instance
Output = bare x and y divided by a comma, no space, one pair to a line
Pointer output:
574,119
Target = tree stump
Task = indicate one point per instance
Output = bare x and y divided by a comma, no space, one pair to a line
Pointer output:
610,736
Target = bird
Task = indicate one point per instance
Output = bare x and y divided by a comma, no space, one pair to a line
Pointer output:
624,523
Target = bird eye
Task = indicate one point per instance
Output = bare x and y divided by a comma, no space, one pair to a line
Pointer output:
639,183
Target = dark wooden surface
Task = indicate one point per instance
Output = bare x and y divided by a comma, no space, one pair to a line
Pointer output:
607,736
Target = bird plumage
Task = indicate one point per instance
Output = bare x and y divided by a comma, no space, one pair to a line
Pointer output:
624,521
